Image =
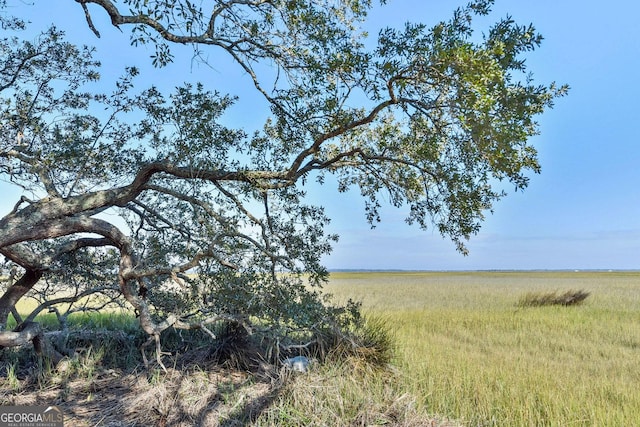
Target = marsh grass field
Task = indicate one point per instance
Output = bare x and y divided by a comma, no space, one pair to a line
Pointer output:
467,351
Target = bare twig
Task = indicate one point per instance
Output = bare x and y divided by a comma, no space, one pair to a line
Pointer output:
89,21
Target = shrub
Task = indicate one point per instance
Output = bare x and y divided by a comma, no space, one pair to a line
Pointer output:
370,341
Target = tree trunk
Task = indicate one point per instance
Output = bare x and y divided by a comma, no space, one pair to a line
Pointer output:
15,292
30,332
25,332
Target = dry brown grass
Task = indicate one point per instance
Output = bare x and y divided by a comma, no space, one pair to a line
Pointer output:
347,393
192,397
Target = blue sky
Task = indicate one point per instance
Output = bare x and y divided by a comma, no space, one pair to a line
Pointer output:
582,212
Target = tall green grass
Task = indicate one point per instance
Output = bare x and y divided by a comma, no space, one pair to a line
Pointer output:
468,352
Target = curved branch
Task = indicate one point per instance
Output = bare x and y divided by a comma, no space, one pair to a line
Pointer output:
118,19
23,63
294,170
53,217
259,178
15,292
158,217
207,37
63,300
87,15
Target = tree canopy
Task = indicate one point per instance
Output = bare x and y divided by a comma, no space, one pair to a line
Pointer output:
212,223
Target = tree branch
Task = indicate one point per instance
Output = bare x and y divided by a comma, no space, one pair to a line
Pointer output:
294,169
62,300
89,21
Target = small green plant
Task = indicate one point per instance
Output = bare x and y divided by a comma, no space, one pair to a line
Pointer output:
540,299
155,377
12,378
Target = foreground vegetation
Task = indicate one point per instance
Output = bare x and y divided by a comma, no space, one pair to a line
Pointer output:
468,351
465,349
228,384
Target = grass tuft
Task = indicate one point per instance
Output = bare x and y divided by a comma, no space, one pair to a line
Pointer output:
541,299
372,343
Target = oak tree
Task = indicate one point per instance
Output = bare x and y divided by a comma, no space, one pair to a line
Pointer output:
209,223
